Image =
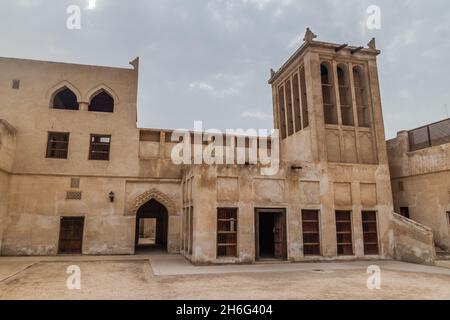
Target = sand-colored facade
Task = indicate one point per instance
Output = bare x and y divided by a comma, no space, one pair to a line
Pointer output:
333,165
421,181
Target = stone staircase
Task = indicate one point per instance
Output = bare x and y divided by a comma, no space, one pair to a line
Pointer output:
442,257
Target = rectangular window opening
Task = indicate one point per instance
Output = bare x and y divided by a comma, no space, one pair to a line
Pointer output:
57,145
99,147
16,84
344,233
227,225
290,119
370,232
311,232
304,97
297,107
282,112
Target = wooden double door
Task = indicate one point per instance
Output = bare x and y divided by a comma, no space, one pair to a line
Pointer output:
270,234
71,235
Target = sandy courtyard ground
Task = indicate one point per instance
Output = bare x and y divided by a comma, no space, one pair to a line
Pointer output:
138,279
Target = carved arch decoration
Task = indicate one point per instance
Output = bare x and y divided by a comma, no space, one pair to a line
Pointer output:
99,88
54,90
156,195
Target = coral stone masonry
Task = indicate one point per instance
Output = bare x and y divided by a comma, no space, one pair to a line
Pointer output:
77,176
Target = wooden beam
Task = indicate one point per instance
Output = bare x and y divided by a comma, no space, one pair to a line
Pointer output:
337,49
356,50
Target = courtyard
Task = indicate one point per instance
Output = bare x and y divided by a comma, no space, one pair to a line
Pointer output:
160,276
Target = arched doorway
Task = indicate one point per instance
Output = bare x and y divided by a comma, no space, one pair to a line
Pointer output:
151,225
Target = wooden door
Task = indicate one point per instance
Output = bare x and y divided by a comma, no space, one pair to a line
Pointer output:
279,231
71,235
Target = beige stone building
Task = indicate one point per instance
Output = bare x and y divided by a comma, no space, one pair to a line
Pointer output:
78,176
420,170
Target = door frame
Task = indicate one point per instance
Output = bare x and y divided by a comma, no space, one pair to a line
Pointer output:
283,213
61,218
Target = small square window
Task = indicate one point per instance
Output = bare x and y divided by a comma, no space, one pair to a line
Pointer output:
16,84
99,147
57,145
75,183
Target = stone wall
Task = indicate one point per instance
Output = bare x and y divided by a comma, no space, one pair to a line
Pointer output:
4,179
413,242
7,153
421,182
326,190
36,204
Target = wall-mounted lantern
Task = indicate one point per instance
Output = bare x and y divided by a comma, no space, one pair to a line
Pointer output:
111,196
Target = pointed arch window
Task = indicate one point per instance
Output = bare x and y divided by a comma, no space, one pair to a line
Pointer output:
102,102
329,105
345,96
65,99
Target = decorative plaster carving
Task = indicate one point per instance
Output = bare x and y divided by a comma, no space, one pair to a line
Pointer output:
158,196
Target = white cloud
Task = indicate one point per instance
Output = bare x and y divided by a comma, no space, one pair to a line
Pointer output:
220,84
201,86
260,4
256,114
204,86
29,3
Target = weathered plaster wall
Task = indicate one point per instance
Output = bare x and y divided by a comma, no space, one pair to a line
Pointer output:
37,185
355,179
7,145
421,182
243,187
4,181
28,110
36,204
168,193
413,242
7,154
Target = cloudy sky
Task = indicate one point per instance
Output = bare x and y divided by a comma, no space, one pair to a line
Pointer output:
209,59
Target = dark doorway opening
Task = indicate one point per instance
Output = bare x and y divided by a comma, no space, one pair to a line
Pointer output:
271,240
151,226
266,235
71,235
404,211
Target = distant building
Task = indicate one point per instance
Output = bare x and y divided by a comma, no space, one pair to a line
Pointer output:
420,171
